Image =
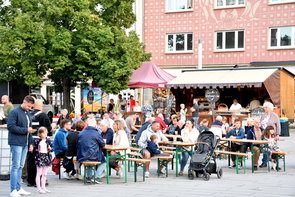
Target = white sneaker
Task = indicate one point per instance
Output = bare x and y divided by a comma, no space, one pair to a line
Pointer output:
14,193
46,190
147,174
66,175
103,175
23,192
41,191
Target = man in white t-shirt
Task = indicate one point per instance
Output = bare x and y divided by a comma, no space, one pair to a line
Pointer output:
235,106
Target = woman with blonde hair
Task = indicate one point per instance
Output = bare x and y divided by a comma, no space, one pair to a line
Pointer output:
120,139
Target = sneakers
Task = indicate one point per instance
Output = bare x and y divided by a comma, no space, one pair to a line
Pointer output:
263,165
46,190
23,192
14,193
147,174
98,181
41,191
273,165
88,180
103,174
66,175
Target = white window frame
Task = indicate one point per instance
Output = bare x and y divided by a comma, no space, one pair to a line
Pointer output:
271,2
292,46
237,5
223,41
174,43
180,10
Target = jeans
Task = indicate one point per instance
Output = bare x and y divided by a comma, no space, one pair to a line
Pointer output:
196,121
19,154
185,156
98,172
265,157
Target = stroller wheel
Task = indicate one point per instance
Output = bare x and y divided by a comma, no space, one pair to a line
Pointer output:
191,175
219,172
206,176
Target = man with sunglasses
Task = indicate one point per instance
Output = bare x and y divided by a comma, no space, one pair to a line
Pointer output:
19,125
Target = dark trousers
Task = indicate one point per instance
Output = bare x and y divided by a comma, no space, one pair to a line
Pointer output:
235,148
31,168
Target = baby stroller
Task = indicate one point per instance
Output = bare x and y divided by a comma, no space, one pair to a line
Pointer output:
203,161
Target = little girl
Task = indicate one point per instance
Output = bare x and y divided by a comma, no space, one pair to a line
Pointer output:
269,134
42,150
182,112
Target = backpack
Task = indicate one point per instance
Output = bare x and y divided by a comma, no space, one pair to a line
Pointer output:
56,166
35,120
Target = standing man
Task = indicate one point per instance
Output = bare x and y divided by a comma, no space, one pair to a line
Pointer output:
195,112
39,119
19,125
121,104
8,107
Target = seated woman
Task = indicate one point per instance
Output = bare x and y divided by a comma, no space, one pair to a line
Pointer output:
236,133
188,134
173,125
120,139
254,133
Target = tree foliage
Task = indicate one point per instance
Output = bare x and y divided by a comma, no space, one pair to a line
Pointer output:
70,40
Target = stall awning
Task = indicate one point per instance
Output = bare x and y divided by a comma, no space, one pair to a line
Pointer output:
149,75
221,78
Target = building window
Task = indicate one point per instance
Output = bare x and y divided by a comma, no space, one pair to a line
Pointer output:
180,42
282,37
230,40
179,5
280,1
229,3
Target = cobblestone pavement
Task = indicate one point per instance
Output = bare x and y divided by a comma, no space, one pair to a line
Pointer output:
261,183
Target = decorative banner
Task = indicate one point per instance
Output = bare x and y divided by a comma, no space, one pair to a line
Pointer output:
93,100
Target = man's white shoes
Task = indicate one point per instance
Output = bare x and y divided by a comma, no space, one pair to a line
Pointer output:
23,192
14,193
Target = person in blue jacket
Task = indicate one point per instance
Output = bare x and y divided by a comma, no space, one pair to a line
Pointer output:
90,144
236,133
60,145
152,146
19,125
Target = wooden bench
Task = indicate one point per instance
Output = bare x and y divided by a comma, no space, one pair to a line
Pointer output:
139,163
280,155
163,161
240,157
92,165
167,148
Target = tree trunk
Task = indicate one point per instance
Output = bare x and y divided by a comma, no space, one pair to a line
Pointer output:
66,94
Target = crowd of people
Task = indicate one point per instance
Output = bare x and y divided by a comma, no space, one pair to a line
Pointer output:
83,138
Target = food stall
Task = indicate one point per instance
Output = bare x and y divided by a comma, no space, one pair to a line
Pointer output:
243,84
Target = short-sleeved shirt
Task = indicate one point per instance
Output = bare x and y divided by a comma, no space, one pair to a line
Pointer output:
196,112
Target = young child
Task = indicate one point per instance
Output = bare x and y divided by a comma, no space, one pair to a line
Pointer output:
182,112
269,134
43,158
152,146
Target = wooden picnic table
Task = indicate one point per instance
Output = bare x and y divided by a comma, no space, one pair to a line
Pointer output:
260,142
110,148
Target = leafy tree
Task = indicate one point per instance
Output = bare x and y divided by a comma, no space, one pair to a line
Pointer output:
70,40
